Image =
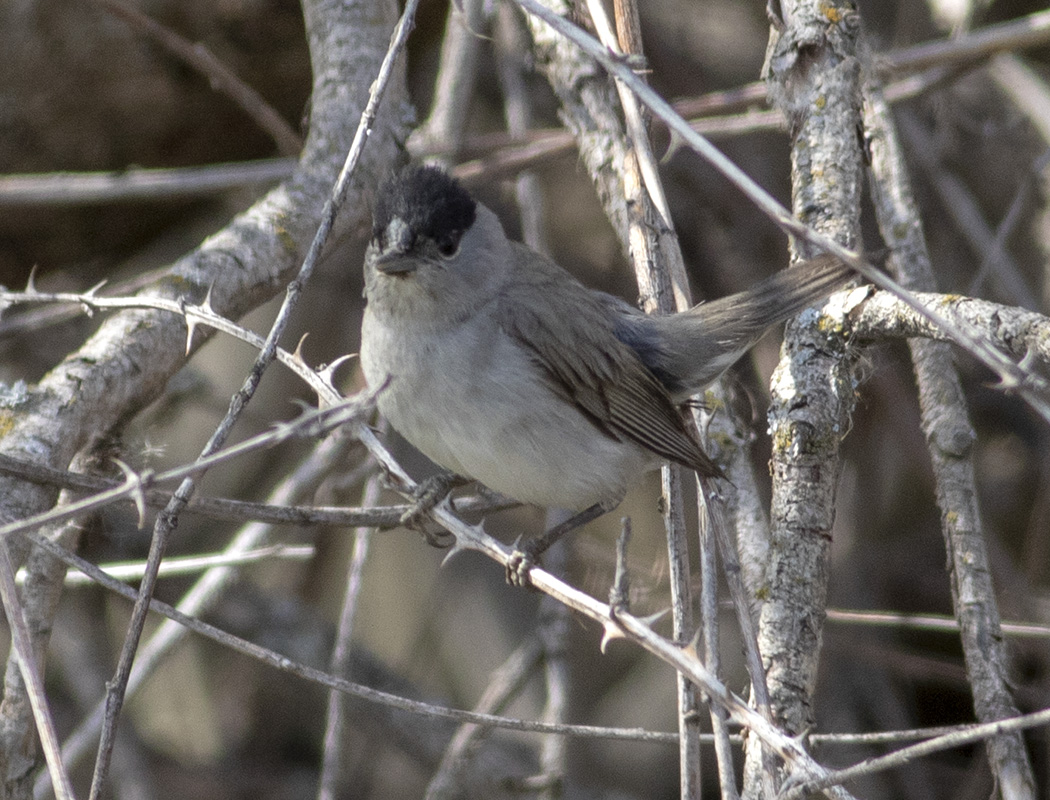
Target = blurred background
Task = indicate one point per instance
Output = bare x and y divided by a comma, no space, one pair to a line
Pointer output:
82,90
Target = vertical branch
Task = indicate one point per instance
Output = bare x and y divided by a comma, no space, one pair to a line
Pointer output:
950,438
332,782
33,678
711,657
683,626
813,77
442,133
663,288
554,627
511,48
41,594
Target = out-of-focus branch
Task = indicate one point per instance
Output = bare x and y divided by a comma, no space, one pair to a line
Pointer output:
87,188
961,205
443,131
334,778
950,438
512,47
1016,34
219,76
504,685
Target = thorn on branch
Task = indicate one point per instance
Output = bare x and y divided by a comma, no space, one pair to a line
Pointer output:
137,483
298,352
326,373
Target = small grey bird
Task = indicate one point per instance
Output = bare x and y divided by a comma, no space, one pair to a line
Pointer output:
501,367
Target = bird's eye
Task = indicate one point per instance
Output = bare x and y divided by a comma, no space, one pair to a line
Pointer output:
448,246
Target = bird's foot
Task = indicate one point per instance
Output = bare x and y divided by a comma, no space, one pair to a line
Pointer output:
522,559
426,497
527,555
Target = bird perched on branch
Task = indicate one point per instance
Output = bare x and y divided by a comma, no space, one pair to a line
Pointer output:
501,367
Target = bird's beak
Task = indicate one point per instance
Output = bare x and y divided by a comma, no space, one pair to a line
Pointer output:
394,262
394,259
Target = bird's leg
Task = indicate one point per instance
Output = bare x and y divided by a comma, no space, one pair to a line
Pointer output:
427,495
527,554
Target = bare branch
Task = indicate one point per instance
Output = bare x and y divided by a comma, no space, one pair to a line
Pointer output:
333,780
813,75
22,647
85,188
950,437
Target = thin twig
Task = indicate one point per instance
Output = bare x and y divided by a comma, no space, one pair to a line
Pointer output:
985,732
332,781
708,636
504,685
132,571
221,508
194,315
940,623
22,644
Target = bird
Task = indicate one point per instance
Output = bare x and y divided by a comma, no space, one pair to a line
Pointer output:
501,367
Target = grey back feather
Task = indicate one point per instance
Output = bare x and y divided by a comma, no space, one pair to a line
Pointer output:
591,366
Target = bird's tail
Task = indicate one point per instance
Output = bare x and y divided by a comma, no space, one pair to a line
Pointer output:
700,344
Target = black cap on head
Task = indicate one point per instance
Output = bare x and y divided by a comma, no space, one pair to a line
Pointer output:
429,201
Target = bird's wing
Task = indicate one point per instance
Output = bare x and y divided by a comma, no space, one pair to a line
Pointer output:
573,343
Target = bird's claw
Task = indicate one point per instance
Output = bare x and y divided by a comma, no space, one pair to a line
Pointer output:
427,496
437,537
522,559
